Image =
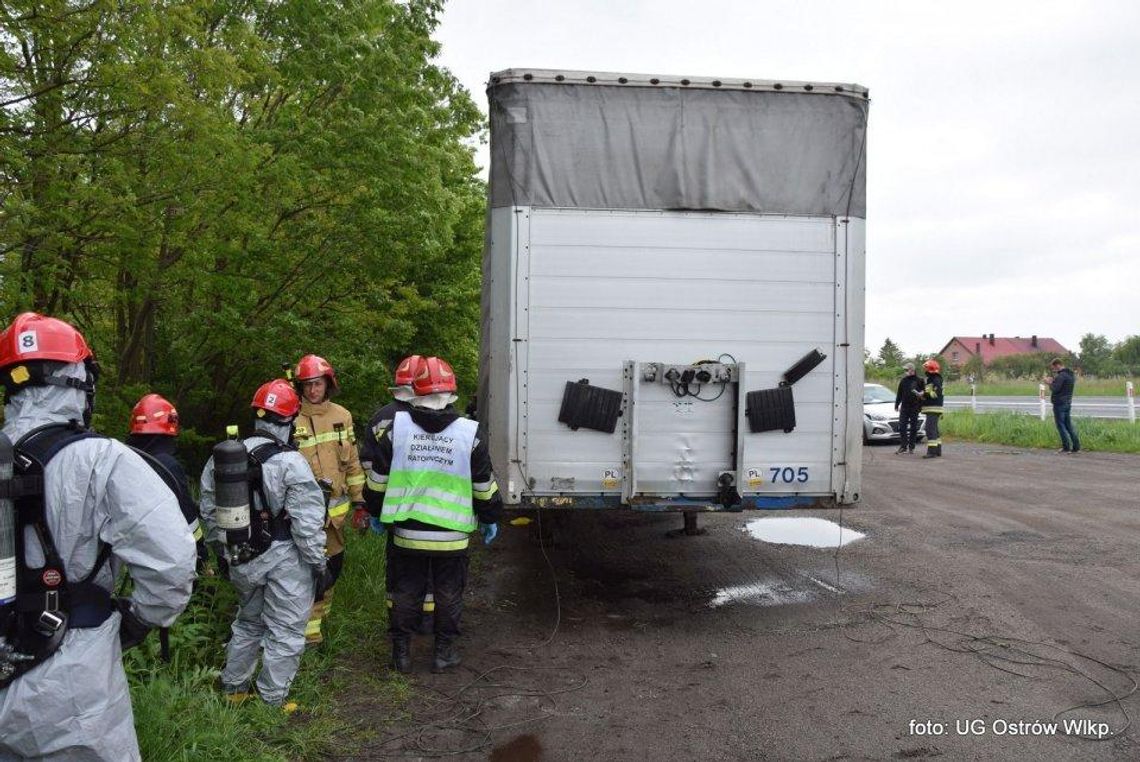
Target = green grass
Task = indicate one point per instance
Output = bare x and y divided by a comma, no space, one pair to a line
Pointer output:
181,715
1086,387
1030,431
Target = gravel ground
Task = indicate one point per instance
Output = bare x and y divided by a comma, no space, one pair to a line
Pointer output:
994,587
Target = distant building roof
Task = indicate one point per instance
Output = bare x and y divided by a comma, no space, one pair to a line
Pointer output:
992,347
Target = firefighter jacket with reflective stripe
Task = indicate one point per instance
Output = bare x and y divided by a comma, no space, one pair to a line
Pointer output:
432,481
932,394
325,437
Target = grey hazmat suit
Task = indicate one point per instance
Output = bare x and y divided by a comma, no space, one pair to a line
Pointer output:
275,589
76,705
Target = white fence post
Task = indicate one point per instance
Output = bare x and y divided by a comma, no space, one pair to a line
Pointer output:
1131,402
974,397
1041,399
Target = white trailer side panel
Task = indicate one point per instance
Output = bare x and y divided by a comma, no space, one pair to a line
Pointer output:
598,288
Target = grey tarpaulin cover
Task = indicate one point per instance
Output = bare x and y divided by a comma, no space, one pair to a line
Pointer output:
745,148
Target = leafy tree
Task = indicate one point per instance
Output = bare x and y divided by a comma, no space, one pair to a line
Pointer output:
209,189
890,356
1127,353
1095,354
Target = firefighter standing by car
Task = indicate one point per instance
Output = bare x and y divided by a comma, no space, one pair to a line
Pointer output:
402,396
432,484
931,396
85,507
326,438
154,426
273,538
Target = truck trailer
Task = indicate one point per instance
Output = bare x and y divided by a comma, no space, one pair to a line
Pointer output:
673,291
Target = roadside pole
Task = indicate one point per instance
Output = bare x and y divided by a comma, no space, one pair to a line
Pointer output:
1041,398
974,397
1131,402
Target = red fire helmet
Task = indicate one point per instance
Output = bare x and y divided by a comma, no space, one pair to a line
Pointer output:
434,376
277,396
314,366
154,414
36,337
931,366
407,369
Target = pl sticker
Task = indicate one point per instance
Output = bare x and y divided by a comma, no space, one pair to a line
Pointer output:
611,478
755,479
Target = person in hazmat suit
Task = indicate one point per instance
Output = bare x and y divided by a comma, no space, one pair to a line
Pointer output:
276,581
325,436
432,484
99,508
154,426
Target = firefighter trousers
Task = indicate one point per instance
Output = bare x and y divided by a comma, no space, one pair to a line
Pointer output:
414,575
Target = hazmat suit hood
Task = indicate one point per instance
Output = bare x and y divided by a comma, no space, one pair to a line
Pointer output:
435,401
402,393
282,432
36,406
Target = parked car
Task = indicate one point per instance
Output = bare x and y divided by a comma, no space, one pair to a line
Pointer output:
880,419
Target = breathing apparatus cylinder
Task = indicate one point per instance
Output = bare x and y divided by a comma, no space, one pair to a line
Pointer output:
231,489
7,529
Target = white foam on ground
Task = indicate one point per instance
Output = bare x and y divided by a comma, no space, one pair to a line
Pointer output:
812,532
760,594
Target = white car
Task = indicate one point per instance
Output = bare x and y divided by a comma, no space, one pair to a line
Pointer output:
880,419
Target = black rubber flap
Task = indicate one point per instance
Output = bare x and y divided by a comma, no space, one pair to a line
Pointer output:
771,410
806,365
590,407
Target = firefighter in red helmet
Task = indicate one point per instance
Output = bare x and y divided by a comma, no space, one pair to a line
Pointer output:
325,436
432,485
94,506
281,569
932,408
154,427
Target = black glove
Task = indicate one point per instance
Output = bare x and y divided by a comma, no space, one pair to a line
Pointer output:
323,579
132,630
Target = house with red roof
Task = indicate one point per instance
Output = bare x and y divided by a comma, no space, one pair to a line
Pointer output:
961,349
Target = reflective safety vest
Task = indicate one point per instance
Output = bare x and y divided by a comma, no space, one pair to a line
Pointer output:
430,482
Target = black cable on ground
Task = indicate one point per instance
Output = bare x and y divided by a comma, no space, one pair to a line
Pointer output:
999,648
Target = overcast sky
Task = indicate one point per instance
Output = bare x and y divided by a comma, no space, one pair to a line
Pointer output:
1004,148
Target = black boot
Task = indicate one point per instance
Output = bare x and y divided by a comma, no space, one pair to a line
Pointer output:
901,450
401,655
445,656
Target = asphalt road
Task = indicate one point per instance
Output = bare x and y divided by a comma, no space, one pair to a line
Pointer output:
1088,407
993,586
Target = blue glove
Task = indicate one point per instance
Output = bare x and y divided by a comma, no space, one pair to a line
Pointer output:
376,526
490,532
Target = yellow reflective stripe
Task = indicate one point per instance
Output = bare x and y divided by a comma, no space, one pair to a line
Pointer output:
328,436
934,442
934,410
353,481
404,542
376,486
313,627
485,494
198,534
339,510
429,606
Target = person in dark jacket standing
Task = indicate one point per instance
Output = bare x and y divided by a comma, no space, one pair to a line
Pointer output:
432,484
907,403
1061,385
931,397
154,429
